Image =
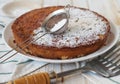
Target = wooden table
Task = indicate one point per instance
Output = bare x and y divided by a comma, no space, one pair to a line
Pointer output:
108,8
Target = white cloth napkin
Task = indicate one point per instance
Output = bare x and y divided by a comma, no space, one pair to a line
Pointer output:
17,65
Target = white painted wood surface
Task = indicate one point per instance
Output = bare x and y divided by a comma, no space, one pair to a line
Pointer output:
108,8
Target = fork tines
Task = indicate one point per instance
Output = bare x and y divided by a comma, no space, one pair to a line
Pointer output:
111,61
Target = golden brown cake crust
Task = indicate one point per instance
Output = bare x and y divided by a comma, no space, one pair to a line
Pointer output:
24,26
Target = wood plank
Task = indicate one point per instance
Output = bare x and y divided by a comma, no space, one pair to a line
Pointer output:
118,3
97,6
80,3
50,3
109,10
76,78
116,10
103,7
65,2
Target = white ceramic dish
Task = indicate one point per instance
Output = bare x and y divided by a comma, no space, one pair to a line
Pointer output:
17,8
112,39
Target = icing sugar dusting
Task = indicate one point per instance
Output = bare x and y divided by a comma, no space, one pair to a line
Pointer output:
59,25
84,28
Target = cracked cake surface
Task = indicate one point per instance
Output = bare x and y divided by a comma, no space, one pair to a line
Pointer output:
87,32
84,28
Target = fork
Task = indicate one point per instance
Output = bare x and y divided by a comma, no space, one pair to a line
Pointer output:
109,62
106,65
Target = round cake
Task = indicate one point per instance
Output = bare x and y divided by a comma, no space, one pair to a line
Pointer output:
87,32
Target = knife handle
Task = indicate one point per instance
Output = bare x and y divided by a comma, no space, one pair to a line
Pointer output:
39,78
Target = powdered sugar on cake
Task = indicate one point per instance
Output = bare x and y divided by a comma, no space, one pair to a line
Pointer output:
84,28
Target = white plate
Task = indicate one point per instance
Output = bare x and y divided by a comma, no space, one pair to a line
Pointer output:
17,8
112,39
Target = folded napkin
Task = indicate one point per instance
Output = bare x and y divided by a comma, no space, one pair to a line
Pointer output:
16,66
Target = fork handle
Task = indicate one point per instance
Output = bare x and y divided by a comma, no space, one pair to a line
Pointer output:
100,72
81,69
39,78
53,75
